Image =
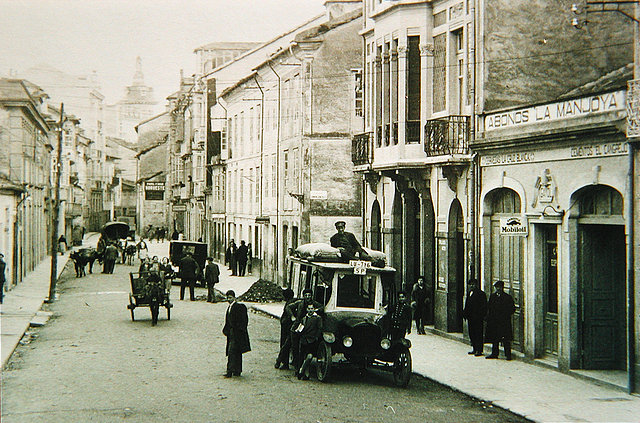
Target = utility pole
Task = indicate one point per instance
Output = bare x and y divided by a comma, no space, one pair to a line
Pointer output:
56,213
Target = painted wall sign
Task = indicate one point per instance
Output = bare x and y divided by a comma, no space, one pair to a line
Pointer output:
550,155
318,195
179,207
514,226
442,264
556,111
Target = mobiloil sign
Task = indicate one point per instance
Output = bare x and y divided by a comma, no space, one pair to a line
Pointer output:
514,226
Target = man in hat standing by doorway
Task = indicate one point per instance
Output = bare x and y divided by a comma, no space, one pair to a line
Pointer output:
475,309
347,243
499,327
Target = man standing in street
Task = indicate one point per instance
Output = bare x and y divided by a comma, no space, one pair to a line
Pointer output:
400,317
235,329
241,255
310,335
419,304
212,277
230,257
188,272
298,311
347,243
499,328
286,319
3,266
475,309
110,257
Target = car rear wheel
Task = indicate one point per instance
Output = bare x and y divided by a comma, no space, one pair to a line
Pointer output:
323,367
402,367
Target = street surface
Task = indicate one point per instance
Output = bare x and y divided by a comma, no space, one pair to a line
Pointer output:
91,362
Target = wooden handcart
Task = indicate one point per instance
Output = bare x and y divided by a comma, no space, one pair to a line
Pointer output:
149,289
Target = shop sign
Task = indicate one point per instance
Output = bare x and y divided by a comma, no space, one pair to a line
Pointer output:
633,108
318,195
561,110
154,191
179,207
514,226
585,151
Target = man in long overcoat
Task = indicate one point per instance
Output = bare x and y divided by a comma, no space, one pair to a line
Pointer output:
211,277
499,327
286,320
188,274
475,309
241,258
231,258
419,304
110,256
235,329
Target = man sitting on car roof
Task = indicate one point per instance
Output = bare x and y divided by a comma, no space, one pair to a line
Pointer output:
347,243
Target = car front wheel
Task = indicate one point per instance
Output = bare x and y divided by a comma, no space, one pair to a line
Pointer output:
323,366
402,367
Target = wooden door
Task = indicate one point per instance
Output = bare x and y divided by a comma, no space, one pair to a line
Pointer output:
602,281
550,288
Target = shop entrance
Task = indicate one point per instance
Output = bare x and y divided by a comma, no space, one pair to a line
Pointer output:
549,240
456,267
376,227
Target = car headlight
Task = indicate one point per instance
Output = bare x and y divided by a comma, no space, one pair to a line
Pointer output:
347,341
328,337
385,343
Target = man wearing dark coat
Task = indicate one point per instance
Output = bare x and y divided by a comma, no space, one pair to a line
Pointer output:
298,311
475,309
110,256
499,328
235,329
310,330
188,274
241,258
400,317
419,304
211,277
3,266
347,243
286,319
230,258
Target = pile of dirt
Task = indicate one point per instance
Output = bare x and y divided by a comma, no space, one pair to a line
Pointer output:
263,292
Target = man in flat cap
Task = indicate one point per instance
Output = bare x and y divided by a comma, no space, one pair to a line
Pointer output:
347,243
499,328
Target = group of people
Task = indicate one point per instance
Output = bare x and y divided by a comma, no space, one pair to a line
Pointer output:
156,233
190,272
238,258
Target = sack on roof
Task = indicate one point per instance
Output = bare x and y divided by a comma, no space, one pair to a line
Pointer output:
318,251
378,258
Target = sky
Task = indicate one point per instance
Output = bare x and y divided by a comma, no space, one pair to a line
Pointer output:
80,36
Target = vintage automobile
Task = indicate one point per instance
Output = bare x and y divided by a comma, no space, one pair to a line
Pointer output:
198,250
356,297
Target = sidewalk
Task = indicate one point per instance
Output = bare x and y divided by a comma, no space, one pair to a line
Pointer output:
530,391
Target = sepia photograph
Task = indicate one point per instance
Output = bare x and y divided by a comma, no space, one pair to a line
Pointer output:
322,211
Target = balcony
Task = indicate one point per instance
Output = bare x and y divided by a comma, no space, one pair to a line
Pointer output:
446,136
387,133
379,136
361,149
73,209
412,134
394,133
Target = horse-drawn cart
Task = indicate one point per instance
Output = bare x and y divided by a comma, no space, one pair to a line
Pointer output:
149,289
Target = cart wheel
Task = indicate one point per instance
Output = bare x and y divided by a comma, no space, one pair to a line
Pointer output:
402,367
323,368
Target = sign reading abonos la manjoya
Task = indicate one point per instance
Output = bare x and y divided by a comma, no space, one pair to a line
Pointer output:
514,226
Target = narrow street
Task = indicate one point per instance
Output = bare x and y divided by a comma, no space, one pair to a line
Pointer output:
91,362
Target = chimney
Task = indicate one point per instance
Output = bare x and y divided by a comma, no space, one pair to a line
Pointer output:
336,8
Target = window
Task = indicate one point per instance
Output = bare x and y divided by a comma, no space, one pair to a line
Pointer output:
358,109
440,73
356,291
258,180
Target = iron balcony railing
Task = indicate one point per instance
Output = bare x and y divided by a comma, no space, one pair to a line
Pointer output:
379,136
387,133
412,134
394,133
448,135
361,149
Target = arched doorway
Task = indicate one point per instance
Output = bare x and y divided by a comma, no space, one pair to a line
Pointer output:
456,267
601,278
429,254
376,226
396,243
506,259
411,233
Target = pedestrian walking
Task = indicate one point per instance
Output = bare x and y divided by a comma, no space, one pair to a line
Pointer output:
499,327
212,277
249,258
419,304
235,329
188,273
3,279
230,257
143,250
310,329
241,255
110,256
286,320
475,309
400,317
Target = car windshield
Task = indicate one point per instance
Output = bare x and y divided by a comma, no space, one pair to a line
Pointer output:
356,291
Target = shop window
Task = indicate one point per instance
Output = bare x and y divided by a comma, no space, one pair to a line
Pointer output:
601,201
